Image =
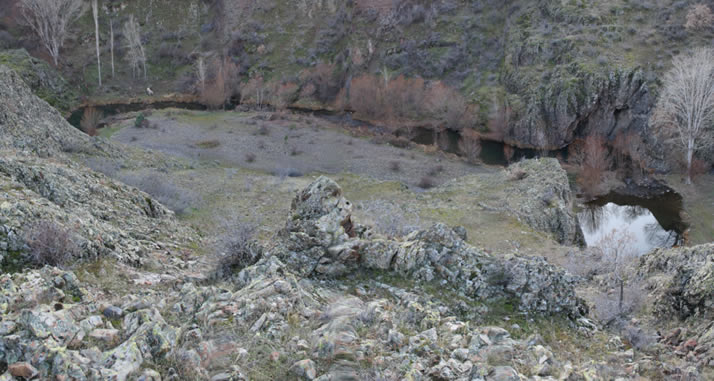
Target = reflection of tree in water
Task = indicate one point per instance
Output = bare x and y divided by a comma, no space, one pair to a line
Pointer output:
591,217
661,238
632,212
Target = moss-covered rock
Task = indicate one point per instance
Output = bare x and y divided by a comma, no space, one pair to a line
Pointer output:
45,81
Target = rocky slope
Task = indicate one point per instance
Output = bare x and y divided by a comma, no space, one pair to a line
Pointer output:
39,183
325,297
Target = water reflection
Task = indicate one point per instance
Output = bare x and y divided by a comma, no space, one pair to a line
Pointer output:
638,222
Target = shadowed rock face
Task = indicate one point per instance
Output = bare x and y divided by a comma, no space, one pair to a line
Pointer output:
322,239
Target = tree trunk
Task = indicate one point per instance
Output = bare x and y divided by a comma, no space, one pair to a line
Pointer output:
95,13
622,294
690,155
111,42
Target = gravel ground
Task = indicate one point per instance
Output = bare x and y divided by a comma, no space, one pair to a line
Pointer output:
289,146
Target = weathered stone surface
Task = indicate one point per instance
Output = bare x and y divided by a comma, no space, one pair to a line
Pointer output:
22,369
29,123
305,369
683,280
321,239
43,79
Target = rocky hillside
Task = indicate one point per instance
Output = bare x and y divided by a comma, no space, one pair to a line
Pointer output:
325,297
532,73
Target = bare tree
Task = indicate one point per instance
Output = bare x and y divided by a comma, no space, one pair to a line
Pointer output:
49,19
135,53
619,259
685,109
470,145
201,73
95,14
111,42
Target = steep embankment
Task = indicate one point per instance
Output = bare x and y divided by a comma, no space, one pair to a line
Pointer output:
535,73
41,188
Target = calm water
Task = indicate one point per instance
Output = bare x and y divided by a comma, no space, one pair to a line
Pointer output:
650,223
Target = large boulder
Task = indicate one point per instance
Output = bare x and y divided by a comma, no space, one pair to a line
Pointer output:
539,194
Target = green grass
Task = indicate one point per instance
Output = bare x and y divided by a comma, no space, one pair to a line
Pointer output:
108,132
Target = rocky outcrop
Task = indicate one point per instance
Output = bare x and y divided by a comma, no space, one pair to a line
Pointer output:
28,123
577,103
682,280
44,80
539,194
40,184
105,217
535,191
321,238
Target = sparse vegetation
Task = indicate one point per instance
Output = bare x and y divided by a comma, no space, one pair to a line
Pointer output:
699,17
50,20
51,244
176,198
90,120
237,247
427,182
685,110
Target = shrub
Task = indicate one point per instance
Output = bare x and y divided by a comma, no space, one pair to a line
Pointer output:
254,91
285,94
238,248
249,157
516,173
141,121
367,96
174,197
699,167
470,146
395,166
699,17
283,171
436,171
90,120
508,152
576,152
216,93
427,182
208,144
263,130
102,165
50,244
294,151
449,106
596,161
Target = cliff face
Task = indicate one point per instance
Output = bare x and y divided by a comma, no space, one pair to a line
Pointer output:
573,104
